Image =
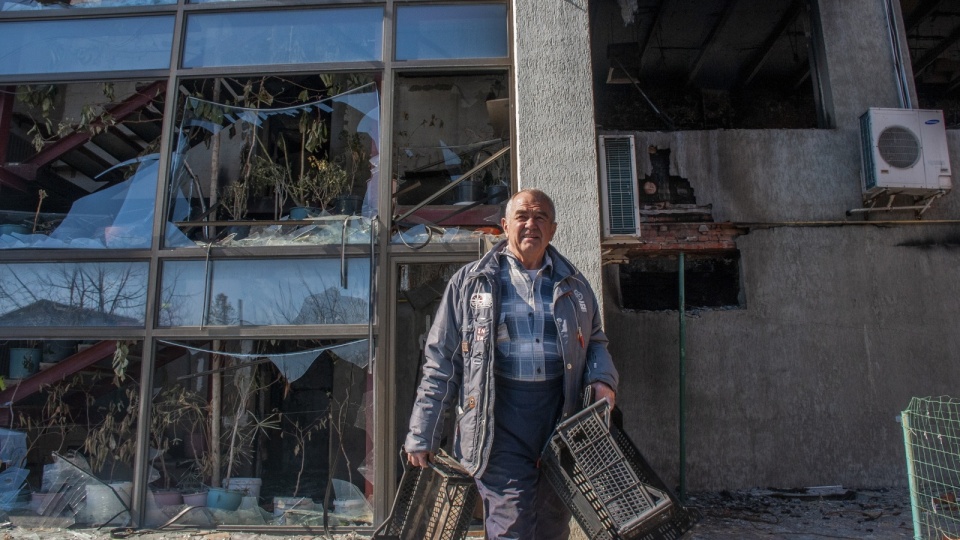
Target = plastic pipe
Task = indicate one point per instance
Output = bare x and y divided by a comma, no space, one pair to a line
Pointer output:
683,383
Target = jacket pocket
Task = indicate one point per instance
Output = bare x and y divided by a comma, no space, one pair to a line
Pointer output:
466,423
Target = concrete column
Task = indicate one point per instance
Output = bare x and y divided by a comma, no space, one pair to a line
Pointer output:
554,130
858,50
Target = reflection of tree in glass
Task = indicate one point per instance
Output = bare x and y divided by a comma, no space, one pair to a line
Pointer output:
174,305
319,300
221,311
70,293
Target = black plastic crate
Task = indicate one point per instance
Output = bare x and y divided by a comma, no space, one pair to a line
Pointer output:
435,503
608,486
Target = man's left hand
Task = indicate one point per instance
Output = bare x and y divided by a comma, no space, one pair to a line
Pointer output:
602,391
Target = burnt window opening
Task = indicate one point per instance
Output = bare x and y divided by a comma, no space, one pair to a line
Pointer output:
930,48
660,185
663,66
652,283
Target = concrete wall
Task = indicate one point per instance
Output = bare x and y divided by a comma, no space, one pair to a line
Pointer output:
859,70
555,138
841,324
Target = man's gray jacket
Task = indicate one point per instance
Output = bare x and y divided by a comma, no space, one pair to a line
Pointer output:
459,356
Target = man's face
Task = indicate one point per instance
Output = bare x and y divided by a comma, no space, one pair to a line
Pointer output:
530,228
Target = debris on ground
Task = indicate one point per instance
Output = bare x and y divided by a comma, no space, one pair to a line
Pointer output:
798,514
805,513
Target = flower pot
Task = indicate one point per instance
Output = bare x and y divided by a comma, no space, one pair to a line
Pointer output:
23,362
249,486
195,499
224,499
11,228
468,191
167,497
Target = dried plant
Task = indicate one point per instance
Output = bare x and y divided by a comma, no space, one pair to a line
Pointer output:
114,438
302,434
246,426
172,408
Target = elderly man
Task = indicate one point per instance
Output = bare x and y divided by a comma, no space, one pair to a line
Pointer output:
515,341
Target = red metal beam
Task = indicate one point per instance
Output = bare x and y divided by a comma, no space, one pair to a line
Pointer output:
131,105
12,180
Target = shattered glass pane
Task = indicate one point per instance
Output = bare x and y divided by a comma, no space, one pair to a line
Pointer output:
295,167
300,447
56,195
453,156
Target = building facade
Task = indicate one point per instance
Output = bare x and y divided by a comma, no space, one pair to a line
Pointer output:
247,211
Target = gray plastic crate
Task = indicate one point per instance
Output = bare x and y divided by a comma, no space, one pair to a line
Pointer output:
608,486
436,503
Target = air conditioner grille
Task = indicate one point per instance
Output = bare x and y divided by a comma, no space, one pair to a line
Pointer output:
620,185
899,147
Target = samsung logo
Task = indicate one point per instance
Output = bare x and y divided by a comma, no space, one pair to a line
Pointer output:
932,121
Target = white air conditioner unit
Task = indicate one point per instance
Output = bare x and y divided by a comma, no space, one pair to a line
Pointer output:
618,185
904,151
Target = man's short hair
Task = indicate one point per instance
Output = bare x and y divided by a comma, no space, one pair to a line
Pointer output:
538,194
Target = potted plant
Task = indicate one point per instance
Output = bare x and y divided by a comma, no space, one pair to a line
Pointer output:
49,433
318,183
244,430
173,408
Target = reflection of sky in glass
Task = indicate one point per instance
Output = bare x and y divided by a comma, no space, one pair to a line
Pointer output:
26,5
266,292
283,37
73,294
460,31
85,45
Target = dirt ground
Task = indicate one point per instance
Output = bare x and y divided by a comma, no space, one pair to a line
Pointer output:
809,514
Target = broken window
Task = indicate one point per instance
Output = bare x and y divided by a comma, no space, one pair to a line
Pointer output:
666,66
653,283
70,450
270,432
81,165
932,36
451,150
275,161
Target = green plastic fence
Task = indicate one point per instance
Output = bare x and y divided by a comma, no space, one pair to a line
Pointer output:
931,435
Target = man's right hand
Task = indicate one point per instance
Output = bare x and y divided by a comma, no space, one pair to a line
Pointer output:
420,459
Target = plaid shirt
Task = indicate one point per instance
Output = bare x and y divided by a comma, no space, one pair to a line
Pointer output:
527,334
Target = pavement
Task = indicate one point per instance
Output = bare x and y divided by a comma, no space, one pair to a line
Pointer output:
795,514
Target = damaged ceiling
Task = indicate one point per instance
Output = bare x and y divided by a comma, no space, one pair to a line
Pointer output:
694,64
